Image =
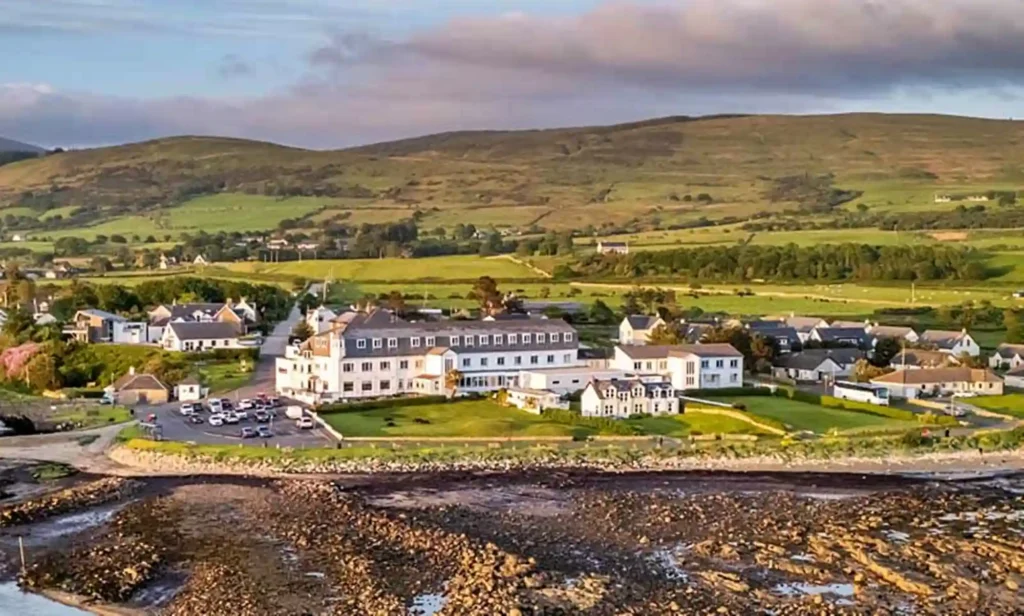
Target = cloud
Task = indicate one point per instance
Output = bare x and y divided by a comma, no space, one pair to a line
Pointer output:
618,61
232,66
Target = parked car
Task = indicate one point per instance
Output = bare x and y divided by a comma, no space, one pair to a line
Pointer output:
106,400
262,416
245,404
273,402
230,417
217,419
242,415
248,433
304,423
226,404
264,432
195,419
187,409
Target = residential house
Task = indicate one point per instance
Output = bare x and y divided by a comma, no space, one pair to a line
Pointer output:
612,248
865,324
189,390
695,332
319,319
817,365
61,271
378,354
786,337
952,342
167,262
913,359
1007,356
896,332
136,332
241,314
567,380
1015,378
848,336
637,328
924,382
200,337
621,399
803,325
687,366
93,325
977,198
201,261
535,400
134,388
278,244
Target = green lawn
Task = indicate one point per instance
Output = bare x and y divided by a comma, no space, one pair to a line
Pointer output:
225,376
435,268
693,422
94,416
1009,404
819,419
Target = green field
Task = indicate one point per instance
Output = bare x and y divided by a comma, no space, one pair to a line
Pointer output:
435,268
818,419
93,416
484,418
1009,404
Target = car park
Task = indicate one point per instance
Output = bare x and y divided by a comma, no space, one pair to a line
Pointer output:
217,419
248,433
230,417
194,419
261,416
187,409
242,415
304,423
273,402
245,405
264,432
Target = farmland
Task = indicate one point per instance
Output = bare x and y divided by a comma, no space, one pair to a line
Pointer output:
437,268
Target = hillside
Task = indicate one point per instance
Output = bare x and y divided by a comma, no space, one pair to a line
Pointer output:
10,145
647,172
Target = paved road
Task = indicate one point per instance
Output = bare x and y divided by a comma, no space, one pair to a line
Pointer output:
175,428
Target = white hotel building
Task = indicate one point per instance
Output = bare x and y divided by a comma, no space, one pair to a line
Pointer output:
687,366
376,355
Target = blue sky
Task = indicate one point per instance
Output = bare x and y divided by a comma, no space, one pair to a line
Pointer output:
331,73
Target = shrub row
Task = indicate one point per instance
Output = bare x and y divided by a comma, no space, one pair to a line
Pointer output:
225,354
728,392
373,405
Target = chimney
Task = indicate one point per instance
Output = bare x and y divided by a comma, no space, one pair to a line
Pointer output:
131,370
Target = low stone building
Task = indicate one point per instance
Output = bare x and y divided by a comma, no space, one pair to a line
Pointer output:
134,388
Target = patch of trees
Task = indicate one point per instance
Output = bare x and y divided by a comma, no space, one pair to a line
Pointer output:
791,262
7,158
814,193
962,217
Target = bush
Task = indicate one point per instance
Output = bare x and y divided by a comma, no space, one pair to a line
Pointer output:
729,392
886,411
372,405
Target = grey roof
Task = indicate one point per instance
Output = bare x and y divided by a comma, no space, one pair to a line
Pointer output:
812,358
443,333
544,304
626,385
641,321
134,382
944,339
779,333
594,353
103,314
923,358
849,324
802,323
635,351
190,380
760,324
842,334
204,331
186,311
891,331
1007,350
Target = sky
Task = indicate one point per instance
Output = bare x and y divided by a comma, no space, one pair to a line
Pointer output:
336,73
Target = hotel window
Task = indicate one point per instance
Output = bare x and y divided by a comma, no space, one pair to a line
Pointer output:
637,366
567,337
378,343
415,342
385,365
403,365
466,362
385,385
367,386
348,387
689,380
519,360
513,338
367,366
483,362
567,358
419,364
526,338
454,341
534,360
551,359
392,343
719,363
431,341
347,367
541,338
470,341
501,361
360,344
704,363
498,339
485,340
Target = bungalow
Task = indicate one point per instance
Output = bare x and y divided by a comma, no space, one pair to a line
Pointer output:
897,332
817,365
1007,356
849,336
240,314
612,248
911,384
200,337
189,390
804,325
913,359
622,398
1015,378
637,328
952,342
135,388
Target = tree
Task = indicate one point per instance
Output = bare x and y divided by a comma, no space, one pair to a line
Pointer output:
125,257
864,371
666,334
396,302
302,331
1014,326
101,265
41,372
26,292
485,291
885,350
150,260
452,378
601,313
763,350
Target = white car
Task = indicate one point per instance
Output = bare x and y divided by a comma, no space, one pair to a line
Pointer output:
966,394
242,415
230,417
217,420
245,405
187,409
304,423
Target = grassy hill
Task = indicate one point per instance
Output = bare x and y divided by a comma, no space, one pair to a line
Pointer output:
650,172
10,145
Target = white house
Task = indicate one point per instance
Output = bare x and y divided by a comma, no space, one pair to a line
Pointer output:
135,332
1015,378
637,329
319,319
1007,356
378,355
911,384
897,332
200,260
687,366
622,398
566,380
535,400
612,248
200,337
189,390
952,342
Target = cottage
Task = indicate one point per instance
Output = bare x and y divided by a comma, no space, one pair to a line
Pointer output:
622,398
865,325
189,390
319,319
612,248
924,382
135,388
1007,356
897,332
817,365
200,337
1015,378
637,328
786,337
952,342
913,359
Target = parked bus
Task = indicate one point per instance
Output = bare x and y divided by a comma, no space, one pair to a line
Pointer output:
861,392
